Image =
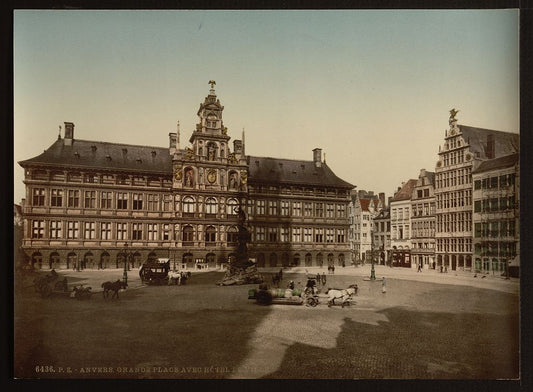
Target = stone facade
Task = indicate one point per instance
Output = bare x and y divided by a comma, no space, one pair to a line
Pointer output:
93,204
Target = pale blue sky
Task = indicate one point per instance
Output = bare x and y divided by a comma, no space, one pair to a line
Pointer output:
371,88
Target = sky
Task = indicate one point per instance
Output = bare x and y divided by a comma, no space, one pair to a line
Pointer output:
371,88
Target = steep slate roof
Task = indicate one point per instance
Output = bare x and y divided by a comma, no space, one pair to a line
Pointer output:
59,154
406,191
497,163
268,170
505,143
288,171
365,203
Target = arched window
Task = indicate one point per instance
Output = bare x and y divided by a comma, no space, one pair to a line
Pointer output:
341,260
308,259
232,207
210,236
211,206
232,236
273,260
188,205
187,235
320,259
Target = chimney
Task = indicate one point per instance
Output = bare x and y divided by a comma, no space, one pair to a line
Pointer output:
490,147
69,133
382,198
317,157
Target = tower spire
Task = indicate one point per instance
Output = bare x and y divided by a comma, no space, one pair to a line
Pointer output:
243,144
178,139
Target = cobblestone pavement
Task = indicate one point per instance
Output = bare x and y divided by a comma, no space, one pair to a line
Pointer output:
462,327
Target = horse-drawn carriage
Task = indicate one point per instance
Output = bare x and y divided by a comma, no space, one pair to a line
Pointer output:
309,296
52,283
155,271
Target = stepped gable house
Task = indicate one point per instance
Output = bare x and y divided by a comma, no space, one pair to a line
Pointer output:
92,204
465,148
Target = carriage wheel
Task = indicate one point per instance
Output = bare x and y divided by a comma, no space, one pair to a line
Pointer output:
311,301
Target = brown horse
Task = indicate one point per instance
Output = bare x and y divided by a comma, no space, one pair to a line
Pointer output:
113,286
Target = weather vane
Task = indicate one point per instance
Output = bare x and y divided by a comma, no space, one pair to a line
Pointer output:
453,113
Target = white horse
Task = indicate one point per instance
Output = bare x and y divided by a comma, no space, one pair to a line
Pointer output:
344,295
174,277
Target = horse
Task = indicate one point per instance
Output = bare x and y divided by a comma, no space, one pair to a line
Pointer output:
174,277
113,286
343,294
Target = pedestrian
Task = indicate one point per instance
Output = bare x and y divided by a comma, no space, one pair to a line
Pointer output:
333,269
419,267
318,277
323,278
383,285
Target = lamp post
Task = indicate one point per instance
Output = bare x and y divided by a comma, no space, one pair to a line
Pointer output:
125,274
372,271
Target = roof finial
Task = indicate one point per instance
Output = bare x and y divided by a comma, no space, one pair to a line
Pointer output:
453,113
59,135
178,139
212,83
324,157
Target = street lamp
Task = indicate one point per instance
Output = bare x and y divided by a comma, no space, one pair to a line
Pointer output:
125,274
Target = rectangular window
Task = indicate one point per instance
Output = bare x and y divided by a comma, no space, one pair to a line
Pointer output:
152,202
308,209
494,182
122,201
152,231
37,229
297,208
285,234
477,206
73,229
426,192
272,234
137,233
260,234
319,210
260,207
73,198
296,234
341,235
38,197
166,232
105,230
89,230
90,199
56,199
272,207
308,234
137,201
284,208
122,231
330,235
330,211
106,200
341,211
319,235
55,229
166,202
494,204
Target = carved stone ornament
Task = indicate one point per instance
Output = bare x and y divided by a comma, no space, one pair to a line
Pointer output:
225,131
244,177
211,176
232,159
178,174
189,154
